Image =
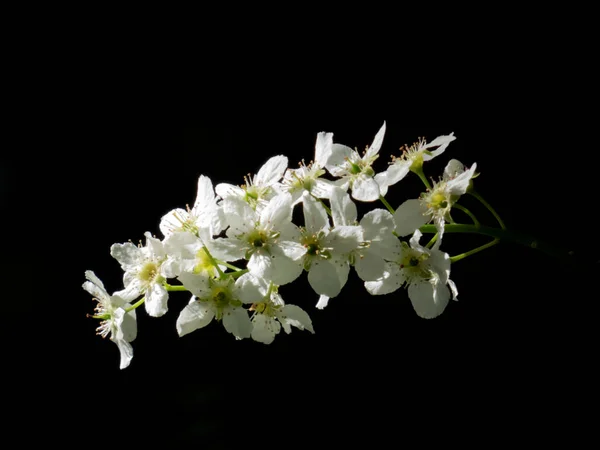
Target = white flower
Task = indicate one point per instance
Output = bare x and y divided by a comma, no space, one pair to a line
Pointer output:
327,250
426,274
259,189
195,254
120,325
220,299
268,240
435,204
205,213
308,178
379,243
143,273
271,313
413,157
356,171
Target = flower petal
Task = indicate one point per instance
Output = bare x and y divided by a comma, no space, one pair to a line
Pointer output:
264,329
441,142
453,169
249,289
324,279
239,215
126,352
194,316
127,254
344,239
337,161
376,145
392,280
343,209
397,171
369,267
237,322
323,301
323,148
277,212
271,171
377,223
226,190
172,221
283,269
460,184
156,300
425,303
205,196
197,284
295,316
315,216
410,216
365,189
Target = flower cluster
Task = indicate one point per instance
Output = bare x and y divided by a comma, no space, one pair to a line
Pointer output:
238,245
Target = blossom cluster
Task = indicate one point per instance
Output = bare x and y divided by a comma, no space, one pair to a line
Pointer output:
237,245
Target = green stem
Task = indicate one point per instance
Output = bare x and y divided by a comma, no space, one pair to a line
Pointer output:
489,207
468,213
457,258
432,241
230,266
237,274
387,205
504,235
139,303
421,175
213,262
324,205
172,288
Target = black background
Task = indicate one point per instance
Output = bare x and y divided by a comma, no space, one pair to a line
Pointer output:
512,358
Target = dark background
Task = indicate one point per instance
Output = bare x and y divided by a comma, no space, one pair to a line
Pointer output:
511,358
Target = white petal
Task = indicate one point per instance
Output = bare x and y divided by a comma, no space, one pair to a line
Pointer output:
156,300
440,264
376,145
197,284
126,325
460,184
226,249
323,278
237,322
283,269
260,264
377,223
272,171
171,268
194,316
453,169
293,250
414,240
97,291
126,352
322,188
155,246
205,197
323,148
127,254
392,280
132,290
410,216
226,190
388,249
397,171
315,216
382,181
337,160
91,276
369,267
453,289
344,239
182,243
295,316
264,329
289,232
277,212
249,289
425,304
365,189
172,221
343,209
442,142
323,301
239,215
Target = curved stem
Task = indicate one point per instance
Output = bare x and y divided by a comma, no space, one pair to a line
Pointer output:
226,264
432,241
468,213
457,258
489,207
424,179
238,274
213,261
172,288
387,205
139,303
504,235
323,203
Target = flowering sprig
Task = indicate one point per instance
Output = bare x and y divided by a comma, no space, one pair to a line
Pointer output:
238,244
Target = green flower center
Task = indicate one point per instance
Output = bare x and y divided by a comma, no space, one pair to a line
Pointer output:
148,272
